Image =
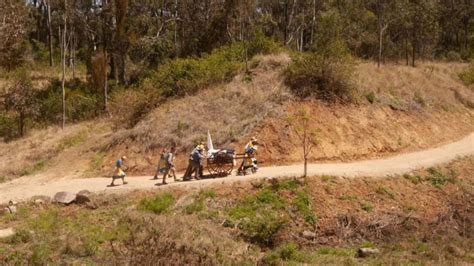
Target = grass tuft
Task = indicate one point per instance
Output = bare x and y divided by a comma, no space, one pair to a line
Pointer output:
159,204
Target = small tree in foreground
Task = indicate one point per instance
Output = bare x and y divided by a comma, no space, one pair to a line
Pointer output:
301,123
21,101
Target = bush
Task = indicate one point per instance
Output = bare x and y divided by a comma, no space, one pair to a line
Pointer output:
321,76
157,205
184,76
453,56
81,102
370,97
467,76
263,227
367,207
437,179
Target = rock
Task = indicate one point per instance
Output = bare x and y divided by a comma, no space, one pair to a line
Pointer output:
309,235
4,233
83,196
12,209
64,197
365,252
40,199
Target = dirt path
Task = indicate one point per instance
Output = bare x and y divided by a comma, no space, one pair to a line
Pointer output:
26,187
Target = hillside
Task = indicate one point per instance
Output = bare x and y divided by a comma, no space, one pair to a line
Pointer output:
414,108
411,109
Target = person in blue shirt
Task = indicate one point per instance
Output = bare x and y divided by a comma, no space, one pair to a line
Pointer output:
119,173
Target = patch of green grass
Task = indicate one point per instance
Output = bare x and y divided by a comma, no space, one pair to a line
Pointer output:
286,252
199,206
194,207
262,227
367,244
269,197
37,166
289,184
41,255
370,96
98,160
409,208
259,216
327,178
303,202
71,141
415,179
207,194
422,248
2,179
21,236
367,207
437,178
385,191
348,197
340,252
158,204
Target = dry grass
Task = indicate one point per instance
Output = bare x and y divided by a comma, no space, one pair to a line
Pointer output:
431,84
34,152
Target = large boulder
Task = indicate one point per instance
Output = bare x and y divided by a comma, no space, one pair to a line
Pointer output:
64,197
83,196
4,233
365,252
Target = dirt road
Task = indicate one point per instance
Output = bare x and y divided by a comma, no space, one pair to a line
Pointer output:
25,187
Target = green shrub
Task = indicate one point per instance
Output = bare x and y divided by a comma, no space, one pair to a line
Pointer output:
340,252
303,203
289,184
453,56
367,207
269,197
385,191
415,179
467,76
41,255
3,179
184,76
263,227
326,78
259,216
437,178
285,252
348,197
8,126
370,96
158,204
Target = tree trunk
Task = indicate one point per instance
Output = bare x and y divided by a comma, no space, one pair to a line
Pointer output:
406,51
63,59
21,124
50,35
313,21
305,167
106,86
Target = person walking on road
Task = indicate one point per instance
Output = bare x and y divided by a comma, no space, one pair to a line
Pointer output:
161,168
119,173
195,161
169,165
